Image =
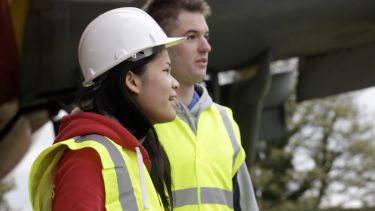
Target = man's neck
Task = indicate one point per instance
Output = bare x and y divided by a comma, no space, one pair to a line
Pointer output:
185,94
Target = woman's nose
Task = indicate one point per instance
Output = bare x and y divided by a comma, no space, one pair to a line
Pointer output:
175,83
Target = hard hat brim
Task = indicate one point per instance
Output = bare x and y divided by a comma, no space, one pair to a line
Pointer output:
172,41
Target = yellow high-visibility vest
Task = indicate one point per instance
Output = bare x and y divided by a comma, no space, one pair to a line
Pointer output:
203,164
122,170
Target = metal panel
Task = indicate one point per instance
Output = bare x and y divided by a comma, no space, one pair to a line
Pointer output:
337,72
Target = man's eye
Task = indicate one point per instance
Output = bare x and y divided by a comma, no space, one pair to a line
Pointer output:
190,37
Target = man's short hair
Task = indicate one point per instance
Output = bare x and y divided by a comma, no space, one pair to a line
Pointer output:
165,12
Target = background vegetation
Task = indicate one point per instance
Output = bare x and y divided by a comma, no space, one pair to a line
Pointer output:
327,158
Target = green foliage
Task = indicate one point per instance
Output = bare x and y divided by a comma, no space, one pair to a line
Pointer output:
328,150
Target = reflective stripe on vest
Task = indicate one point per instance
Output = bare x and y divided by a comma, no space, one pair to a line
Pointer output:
208,195
125,193
228,126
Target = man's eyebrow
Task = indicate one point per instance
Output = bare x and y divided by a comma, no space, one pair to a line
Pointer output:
194,31
191,31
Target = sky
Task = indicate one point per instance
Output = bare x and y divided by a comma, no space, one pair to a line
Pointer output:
18,198
366,100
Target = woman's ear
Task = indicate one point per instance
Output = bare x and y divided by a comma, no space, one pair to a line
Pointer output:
132,81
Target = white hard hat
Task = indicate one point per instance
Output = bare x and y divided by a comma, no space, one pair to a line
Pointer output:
115,36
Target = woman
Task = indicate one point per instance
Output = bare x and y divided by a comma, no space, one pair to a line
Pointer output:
107,156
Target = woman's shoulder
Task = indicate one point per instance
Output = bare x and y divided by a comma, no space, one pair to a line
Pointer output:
78,183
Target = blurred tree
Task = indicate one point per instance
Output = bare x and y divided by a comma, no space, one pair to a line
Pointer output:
328,151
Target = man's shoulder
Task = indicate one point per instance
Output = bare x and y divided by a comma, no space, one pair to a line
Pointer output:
220,106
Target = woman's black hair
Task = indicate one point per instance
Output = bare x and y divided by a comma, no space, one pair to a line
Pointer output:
111,97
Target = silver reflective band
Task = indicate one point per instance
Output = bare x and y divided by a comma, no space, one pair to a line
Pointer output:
126,191
208,196
185,197
228,126
216,196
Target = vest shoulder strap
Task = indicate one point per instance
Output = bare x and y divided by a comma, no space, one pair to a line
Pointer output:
119,192
117,183
229,127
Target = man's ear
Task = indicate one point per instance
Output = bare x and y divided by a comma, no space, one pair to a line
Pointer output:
132,81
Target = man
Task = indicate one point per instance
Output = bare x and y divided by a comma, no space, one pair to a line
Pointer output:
203,142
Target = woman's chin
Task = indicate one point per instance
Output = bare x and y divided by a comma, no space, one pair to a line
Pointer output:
168,118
